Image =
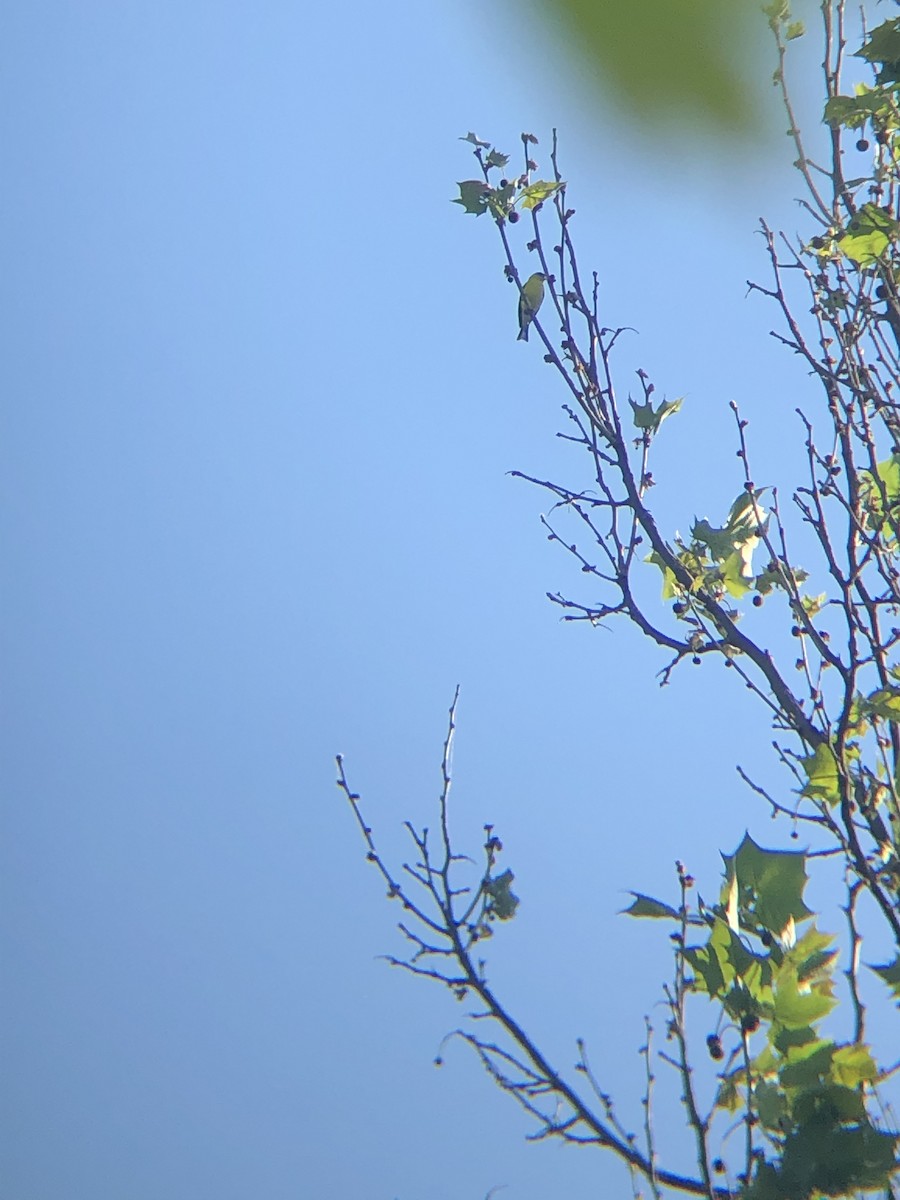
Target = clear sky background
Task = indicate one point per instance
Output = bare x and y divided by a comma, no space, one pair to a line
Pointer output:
260,395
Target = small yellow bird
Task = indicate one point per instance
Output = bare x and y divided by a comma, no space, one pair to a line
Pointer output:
530,300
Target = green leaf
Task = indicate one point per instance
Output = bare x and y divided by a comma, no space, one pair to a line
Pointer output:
785,1039
884,703
730,1095
813,605
473,196
500,200
711,962
890,974
854,111
853,1065
821,769
667,66
825,1158
889,474
537,192
770,885
796,1006
868,234
470,137
883,487
883,46
740,532
767,580
646,906
646,417
725,968
771,1104
817,965
719,542
778,11
503,901
829,1102
808,1065
846,111
496,159
765,1184
737,583
670,585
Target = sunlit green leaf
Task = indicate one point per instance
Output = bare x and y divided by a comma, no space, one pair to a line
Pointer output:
822,775
647,417
884,703
670,587
737,581
853,1065
868,234
795,1007
537,192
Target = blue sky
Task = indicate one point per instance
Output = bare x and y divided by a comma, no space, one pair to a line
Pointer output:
261,395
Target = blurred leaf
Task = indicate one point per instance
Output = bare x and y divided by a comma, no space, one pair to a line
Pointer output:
678,65
537,192
503,901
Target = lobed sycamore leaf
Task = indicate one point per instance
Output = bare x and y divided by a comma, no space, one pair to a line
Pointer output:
473,196
795,1006
475,141
539,191
646,906
646,417
890,974
769,885
883,46
854,111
